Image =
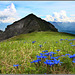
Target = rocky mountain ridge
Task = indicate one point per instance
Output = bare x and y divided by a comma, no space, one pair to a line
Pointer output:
28,24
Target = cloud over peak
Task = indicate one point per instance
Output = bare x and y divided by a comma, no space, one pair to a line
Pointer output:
59,17
9,14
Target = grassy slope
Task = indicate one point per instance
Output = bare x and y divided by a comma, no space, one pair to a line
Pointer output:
20,50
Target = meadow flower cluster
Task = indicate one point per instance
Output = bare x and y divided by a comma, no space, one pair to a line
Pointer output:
51,60
49,54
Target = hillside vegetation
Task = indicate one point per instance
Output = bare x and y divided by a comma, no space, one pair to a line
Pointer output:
22,50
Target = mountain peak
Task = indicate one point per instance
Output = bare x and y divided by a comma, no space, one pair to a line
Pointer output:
31,15
28,24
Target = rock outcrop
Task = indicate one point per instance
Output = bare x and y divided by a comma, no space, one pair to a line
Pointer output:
27,24
1,31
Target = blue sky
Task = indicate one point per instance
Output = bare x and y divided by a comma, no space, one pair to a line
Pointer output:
61,11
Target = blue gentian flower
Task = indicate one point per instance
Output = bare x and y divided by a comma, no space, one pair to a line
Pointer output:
57,57
45,51
62,55
70,43
16,65
48,60
45,42
36,61
40,46
66,39
58,50
41,56
50,63
56,42
46,54
71,56
67,54
61,39
73,61
33,41
73,39
57,61
52,53
52,57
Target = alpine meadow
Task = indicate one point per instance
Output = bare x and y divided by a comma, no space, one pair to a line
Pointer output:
37,37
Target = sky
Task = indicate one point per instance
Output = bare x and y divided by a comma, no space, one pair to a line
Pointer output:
56,11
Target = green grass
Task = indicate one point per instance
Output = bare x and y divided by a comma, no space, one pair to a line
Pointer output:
15,51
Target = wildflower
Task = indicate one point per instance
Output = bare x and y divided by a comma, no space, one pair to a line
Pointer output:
55,57
16,65
61,39
73,61
67,54
44,42
70,43
33,41
36,61
57,61
46,54
66,39
49,63
52,57
52,53
58,50
41,56
40,46
24,42
56,42
45,51
73,39
62,55
71,56
48,60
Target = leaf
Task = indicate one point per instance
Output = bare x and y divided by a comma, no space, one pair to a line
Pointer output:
28,63
32,68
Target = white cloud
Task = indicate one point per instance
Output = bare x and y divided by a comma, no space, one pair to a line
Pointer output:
9,14
60,17
72,15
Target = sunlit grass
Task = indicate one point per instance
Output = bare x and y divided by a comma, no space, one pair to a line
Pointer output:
20,50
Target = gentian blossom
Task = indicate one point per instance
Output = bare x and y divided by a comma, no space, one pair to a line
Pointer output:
33,41
45,51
